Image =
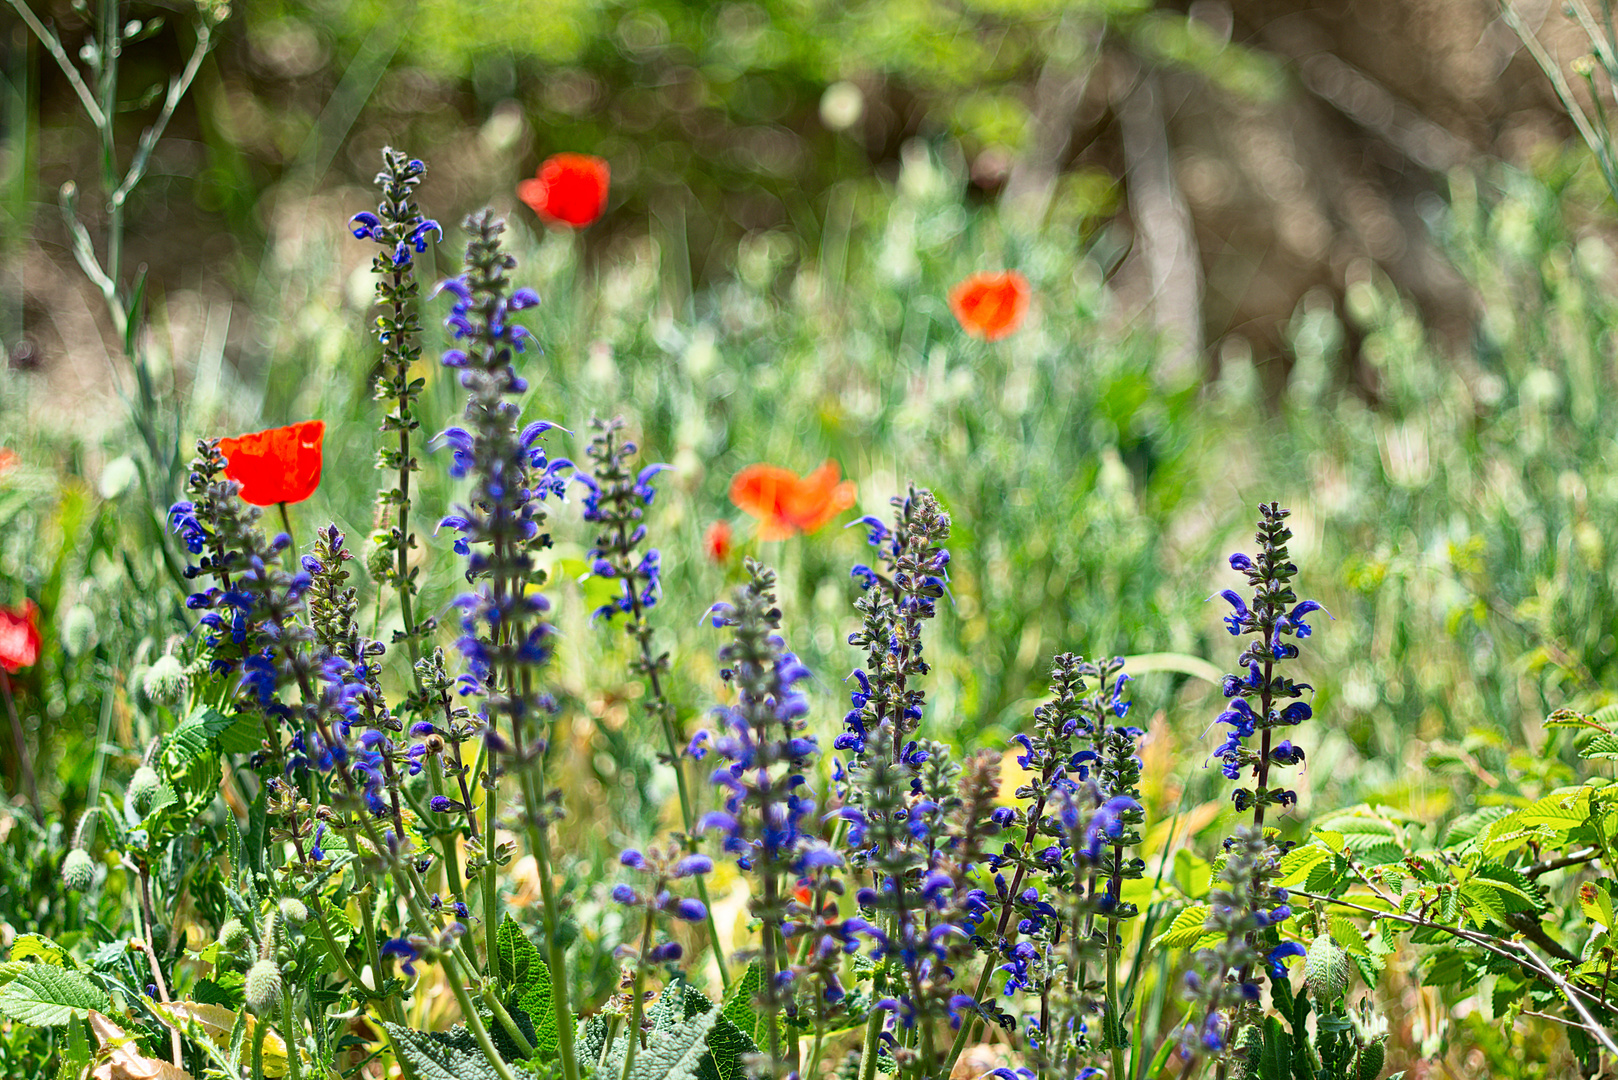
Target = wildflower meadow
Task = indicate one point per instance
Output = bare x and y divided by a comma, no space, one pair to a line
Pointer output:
487,634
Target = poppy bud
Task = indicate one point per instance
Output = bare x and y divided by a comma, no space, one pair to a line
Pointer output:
78,870
1372,1057
294,911
264,988
165,682
143,788
233,936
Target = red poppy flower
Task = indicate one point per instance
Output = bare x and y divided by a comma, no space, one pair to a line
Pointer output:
990,306
281,465
716,541
786,503
19,637
8,460
571,189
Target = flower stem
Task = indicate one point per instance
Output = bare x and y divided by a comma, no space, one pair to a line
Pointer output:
555,957
24,762
637,1006
289,1032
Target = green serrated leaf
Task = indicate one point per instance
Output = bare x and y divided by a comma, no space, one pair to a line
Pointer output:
1563,809
1470,826
194,737
41,948
1483,903
432,1059
1512,882
1276,1059
1296,864
738,1004
44,996
526,973
1349,826
674,1052
728,1045
1186,929
243,736
1348,936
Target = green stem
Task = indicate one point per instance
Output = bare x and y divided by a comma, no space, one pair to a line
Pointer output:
261,1028
286,527
637,1007
491,880
289,1032
342,959
868,1048
533,794
814,1051
688,817
671,739
448,842
1114,1019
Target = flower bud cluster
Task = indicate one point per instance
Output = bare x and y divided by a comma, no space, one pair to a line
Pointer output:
616,501
660,867
401,229
896,601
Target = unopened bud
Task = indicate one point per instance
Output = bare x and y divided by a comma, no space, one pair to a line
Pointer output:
264,988
78,870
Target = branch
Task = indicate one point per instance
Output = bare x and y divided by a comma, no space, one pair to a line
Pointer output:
1575,859
1514,951
53,45
177,88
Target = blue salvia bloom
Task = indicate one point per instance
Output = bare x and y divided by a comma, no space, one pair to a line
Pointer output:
1262,698
397,224
616,501
402,231
1113,760
767,804
1222,982
215,524
659,868
364,730
894,604
501,524
1247,903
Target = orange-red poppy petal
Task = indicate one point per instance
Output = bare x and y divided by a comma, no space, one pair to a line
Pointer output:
571,189
19,637
787,504
275,466
989,305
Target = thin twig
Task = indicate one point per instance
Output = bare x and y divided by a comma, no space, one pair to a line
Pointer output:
1514,951
1575,859
177,88
53,44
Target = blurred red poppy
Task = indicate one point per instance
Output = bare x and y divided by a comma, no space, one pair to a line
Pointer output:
716,541
19,637
281,465
786,503
8,460
990,306
571,189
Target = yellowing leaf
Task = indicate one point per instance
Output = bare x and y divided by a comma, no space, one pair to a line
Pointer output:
215,1023
121,1057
